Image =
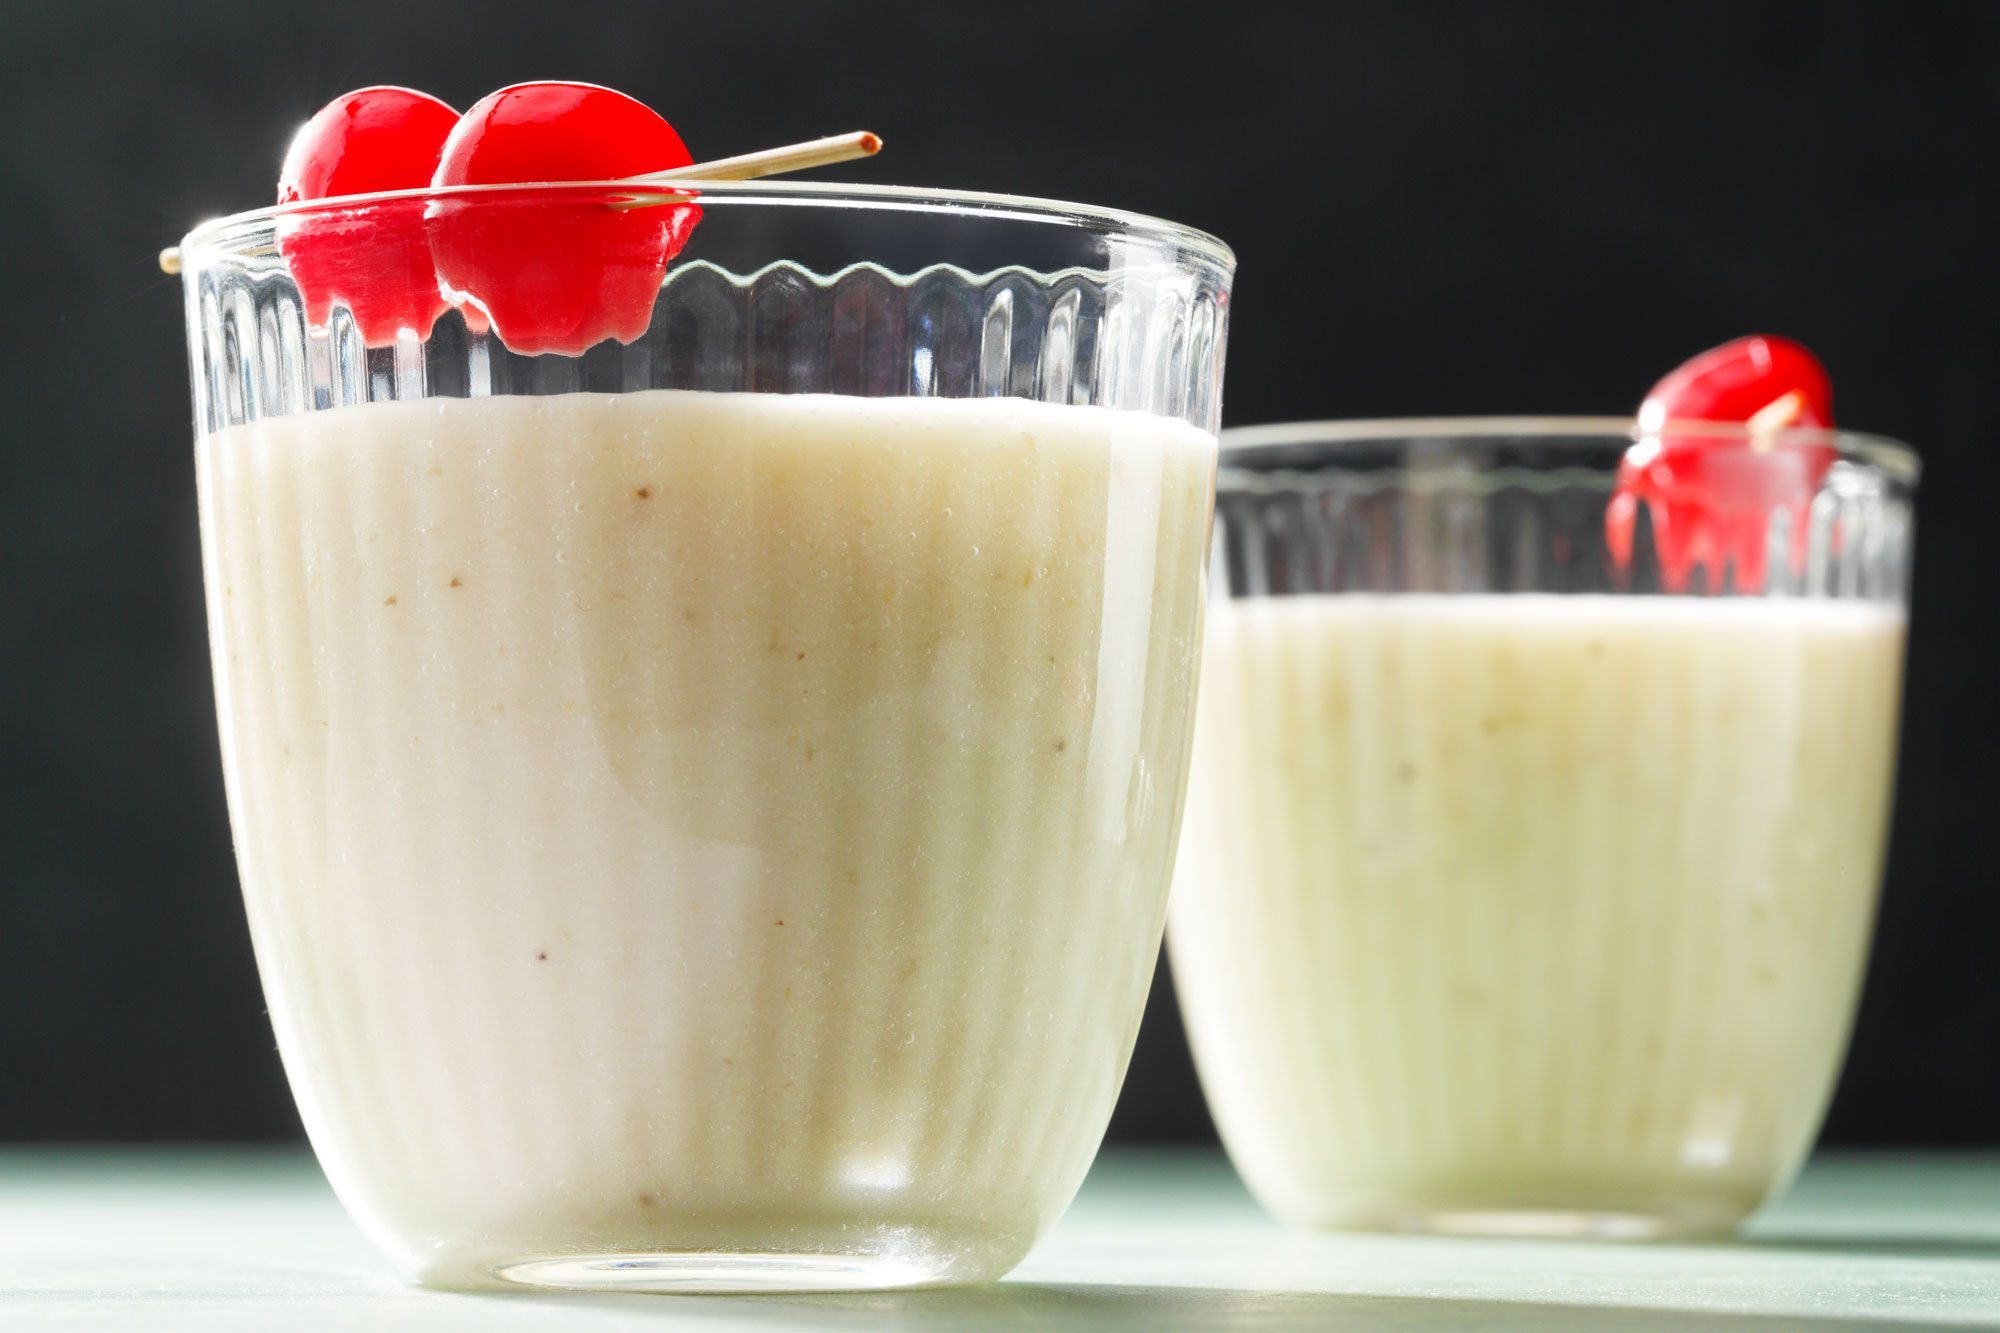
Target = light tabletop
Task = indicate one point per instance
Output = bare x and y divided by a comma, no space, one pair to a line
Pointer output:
254,1239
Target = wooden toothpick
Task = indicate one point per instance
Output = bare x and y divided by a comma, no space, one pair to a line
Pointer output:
743,167
772,161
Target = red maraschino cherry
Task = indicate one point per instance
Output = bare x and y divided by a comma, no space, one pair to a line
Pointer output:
1711,465
377,263
557,274
1739,380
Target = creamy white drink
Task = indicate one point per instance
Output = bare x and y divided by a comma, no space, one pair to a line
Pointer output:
705,821
1534,913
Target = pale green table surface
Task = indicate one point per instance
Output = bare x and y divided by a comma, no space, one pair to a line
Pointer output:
235,1240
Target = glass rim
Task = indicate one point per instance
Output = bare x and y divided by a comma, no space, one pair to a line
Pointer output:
219,233
1893,457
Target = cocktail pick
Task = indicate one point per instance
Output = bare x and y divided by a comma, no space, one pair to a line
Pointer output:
745,166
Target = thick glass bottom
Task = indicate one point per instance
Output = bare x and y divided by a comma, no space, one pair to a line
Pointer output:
1611,1214
1537,1224
715,1271
716,1255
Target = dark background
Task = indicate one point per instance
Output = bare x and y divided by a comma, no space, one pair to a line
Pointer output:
1438,208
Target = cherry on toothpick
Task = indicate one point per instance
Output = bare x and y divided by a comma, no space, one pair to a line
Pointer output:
1711,466
548,271
377,262
555,273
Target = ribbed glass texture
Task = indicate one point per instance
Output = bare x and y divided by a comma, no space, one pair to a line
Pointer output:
912,295
1519,894
705,806
1510,506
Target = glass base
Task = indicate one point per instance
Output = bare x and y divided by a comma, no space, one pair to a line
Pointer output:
1538,1224
717,1272
710,1253
1554,1203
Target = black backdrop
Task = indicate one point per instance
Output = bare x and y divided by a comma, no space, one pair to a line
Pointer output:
1438,208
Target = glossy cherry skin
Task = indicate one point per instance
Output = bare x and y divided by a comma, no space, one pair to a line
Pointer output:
374,259
1736,381
557,273
1714,461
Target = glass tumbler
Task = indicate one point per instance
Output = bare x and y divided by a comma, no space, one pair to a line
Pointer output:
1525,891
705,804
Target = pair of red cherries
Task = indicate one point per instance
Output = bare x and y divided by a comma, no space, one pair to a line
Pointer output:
547,273
556,274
